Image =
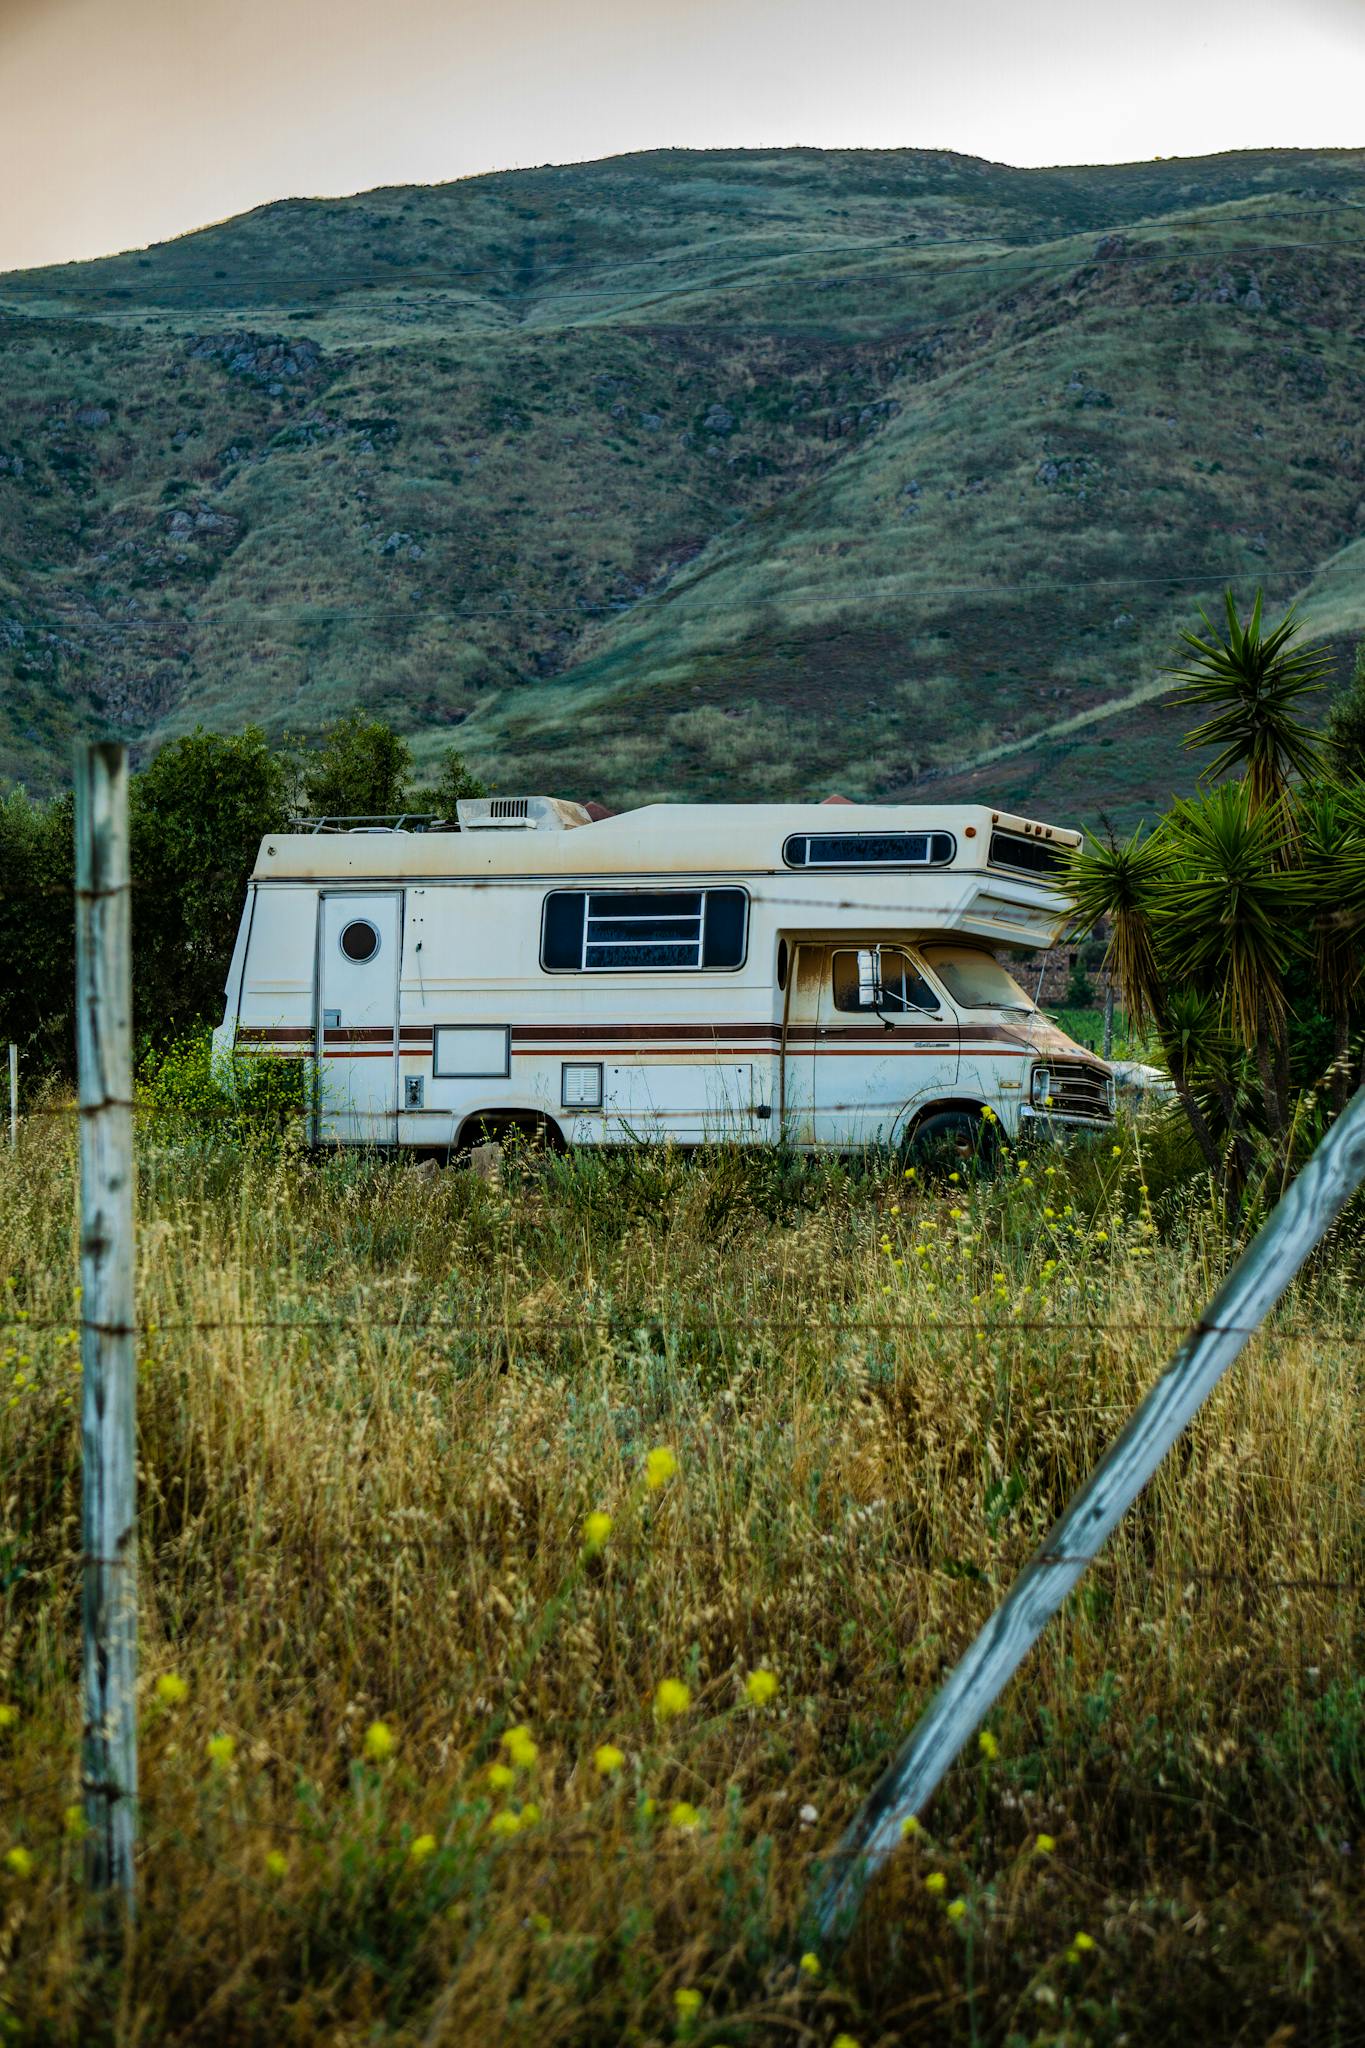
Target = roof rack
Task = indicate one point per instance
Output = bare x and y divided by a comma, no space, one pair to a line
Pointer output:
375,821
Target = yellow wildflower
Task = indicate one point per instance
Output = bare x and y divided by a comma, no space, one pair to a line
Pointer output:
684,1817
988,1745
596,1529
761,1687
957,1909
171,1689
687,2003
75,1823
221,1749
810,1964
8,1715
909,1827
378,1741
520,1747
844,2041
671,1698
503,1824
1044,1845
606,1759
18,1862
1084,1942
530,1814
660,1467
276,1863
501,1777
936,1882
422,1847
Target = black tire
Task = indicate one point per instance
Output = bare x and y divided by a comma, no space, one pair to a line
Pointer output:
953,1141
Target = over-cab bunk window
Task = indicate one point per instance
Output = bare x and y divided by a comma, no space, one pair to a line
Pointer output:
1025,856
869,850
601,931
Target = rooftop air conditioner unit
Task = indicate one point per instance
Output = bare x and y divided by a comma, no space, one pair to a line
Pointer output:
519,814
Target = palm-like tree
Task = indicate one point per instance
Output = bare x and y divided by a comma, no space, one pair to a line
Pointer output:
1253,684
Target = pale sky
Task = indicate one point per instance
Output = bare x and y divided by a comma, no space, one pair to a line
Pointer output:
124,122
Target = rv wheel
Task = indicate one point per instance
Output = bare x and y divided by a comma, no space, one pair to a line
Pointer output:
952,1141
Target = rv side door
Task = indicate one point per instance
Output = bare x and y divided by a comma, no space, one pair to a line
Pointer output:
359,943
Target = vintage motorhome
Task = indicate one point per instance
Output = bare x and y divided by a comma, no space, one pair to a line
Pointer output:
823,976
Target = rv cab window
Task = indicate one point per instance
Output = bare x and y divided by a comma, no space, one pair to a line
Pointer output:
976,980
599,931
359,940
901,986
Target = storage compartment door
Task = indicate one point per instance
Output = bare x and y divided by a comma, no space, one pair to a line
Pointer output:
688,1103
359,942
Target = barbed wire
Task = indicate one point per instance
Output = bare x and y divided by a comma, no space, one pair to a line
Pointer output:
642,1322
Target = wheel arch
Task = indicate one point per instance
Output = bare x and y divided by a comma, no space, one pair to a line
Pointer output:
491,1125
966,1105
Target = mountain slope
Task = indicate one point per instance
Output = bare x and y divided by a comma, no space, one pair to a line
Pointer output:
762,471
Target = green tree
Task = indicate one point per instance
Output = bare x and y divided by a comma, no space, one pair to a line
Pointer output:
198,813
37,928
1253,685
1346,724
361,771
455,780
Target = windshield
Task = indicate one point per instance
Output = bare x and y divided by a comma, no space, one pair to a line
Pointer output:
975,980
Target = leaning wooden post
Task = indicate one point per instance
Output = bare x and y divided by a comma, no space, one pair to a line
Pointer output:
104,1060
1300,1222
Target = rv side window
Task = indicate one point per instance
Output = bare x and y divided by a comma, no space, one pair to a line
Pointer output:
600,931
869,849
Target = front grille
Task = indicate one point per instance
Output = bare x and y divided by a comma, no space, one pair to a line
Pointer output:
1078,1089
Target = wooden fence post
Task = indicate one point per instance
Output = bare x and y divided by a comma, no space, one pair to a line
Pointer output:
1265,1269
104,1059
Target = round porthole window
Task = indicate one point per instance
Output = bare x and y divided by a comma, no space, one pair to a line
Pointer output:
360,940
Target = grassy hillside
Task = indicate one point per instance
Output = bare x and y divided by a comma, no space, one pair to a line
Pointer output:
757,471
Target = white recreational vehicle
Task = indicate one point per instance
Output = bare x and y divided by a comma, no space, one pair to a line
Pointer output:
824,977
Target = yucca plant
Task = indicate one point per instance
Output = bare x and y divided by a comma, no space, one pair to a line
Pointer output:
1211,1062
1121,885
1231,918
1253,684
1114,883
1330,819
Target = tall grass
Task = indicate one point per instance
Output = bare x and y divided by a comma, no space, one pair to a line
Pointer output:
377,1406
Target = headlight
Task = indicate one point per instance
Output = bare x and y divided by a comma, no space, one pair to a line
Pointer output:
1111,1094
1041,1087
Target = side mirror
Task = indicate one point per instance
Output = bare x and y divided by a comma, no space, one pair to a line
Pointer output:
870,991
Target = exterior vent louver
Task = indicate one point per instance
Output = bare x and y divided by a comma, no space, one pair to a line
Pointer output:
519,814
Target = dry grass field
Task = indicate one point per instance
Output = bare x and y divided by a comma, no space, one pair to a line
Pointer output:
430,1758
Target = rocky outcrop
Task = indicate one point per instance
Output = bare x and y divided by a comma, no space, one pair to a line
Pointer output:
266,359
